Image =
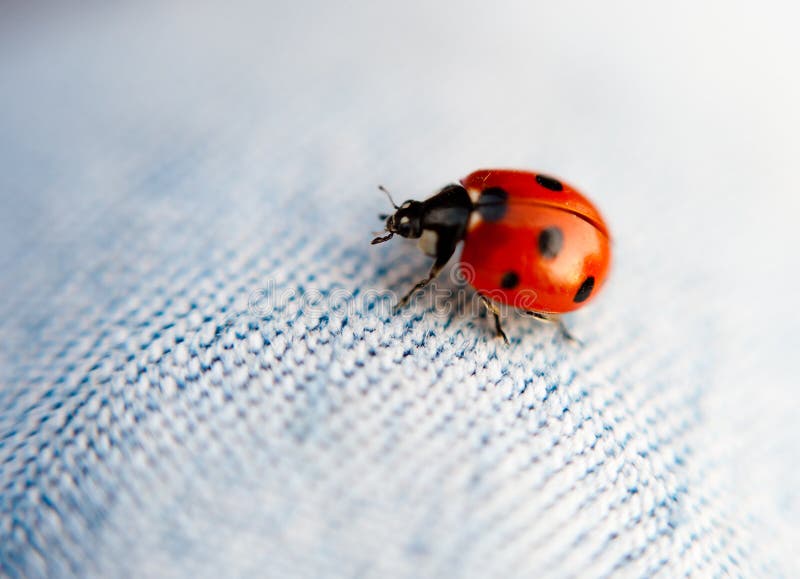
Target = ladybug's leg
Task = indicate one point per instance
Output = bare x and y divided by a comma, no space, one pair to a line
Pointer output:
555,319
444,251
418,286
492,308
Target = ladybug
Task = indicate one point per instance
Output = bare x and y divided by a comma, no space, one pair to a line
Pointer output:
531,241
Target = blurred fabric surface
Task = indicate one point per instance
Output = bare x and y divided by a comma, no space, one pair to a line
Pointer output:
168,168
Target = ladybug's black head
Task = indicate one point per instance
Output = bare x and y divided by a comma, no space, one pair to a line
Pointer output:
406,221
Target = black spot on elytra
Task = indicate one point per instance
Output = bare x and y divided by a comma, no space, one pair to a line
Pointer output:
550,242
493,203
585,290
549,183
510,280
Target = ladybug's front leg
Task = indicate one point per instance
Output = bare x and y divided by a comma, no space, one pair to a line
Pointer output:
444,251
418,286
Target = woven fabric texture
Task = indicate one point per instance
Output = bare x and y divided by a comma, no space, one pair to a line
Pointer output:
201,375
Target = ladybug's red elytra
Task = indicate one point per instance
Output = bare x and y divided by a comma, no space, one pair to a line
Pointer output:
531,241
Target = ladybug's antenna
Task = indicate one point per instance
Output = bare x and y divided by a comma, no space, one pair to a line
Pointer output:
389,195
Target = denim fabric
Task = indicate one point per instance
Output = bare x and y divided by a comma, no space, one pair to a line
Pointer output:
201,376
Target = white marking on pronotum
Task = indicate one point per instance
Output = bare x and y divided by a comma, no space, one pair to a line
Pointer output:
427,242
474,220
474,195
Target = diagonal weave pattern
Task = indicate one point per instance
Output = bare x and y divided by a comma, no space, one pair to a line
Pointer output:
200,375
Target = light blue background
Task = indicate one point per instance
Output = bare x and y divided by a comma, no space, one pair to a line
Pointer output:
160,162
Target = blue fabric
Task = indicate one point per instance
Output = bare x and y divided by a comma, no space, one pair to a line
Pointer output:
200,373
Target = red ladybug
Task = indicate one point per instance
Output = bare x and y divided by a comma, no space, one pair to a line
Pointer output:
532,241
